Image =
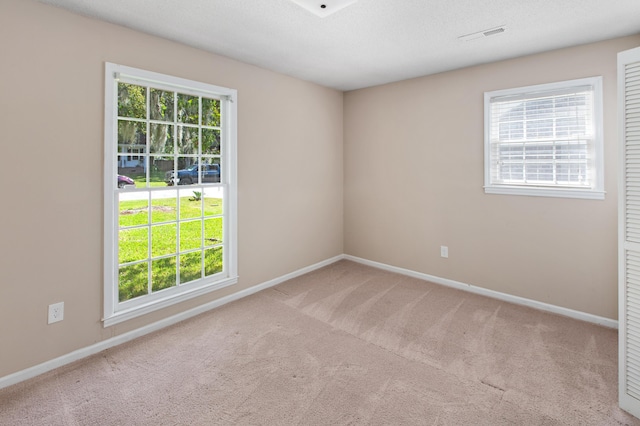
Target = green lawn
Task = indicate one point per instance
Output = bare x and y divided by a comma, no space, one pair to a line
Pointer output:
134,243
164,210
156,178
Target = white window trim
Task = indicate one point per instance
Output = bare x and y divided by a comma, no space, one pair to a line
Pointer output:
113,314
596,192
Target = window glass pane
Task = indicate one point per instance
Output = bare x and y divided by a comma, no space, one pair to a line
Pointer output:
162,163
511,130
163,240
188,107
212,261
132,101
571,103
161,141
164,207
571,150
538,151
187,173
210,112
190,203
512,171
163,273
157,170
132,281
129,177
539,108
187,140
161,105
133,209
538,129
190,267
569,126
133,245
190,235
213,231
572,173
539,172
511,152
210,142
132,168
514,111
213,199
132,137
211,169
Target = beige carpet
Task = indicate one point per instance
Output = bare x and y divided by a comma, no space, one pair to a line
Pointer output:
346,344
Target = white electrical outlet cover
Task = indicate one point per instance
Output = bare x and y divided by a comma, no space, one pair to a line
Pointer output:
56,312
324,8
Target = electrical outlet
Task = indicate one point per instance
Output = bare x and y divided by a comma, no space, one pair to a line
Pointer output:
444,251
56,312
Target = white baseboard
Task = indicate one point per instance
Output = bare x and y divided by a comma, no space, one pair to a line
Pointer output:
583,316
34,371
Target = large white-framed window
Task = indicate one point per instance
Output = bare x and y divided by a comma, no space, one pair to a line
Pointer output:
170,231
545,140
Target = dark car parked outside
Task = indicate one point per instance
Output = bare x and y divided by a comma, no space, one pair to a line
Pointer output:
209,173
124,180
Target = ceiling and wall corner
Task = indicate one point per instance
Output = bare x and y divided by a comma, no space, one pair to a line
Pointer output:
370,42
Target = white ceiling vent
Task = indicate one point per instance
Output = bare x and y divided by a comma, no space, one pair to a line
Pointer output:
324,8
483,33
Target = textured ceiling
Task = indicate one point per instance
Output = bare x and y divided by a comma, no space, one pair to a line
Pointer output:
370,42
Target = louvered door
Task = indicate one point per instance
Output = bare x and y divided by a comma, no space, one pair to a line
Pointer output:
629,234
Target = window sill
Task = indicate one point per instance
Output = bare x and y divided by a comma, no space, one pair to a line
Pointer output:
588,194
134,312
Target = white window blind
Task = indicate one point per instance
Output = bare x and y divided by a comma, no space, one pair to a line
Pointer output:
545,140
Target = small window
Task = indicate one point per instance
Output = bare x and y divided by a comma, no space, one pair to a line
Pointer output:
545,140
170,191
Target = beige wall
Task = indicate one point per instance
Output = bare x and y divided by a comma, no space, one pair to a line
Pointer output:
414,176
51,245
